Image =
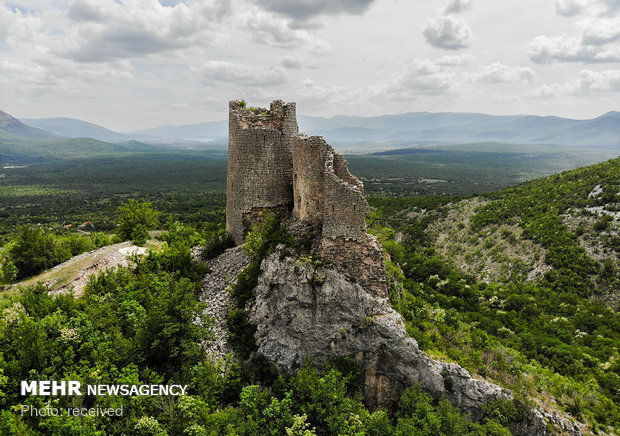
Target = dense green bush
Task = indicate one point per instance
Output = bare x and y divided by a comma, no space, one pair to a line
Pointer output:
264,237
34,250
135,218
216,243
139,326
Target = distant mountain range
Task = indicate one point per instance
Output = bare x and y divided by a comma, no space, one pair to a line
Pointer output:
20,142
216,131
468,127
11,128
415,128
72,128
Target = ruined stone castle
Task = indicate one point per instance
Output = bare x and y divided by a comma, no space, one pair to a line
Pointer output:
272,167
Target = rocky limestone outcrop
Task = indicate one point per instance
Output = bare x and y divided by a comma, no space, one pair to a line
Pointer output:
302,310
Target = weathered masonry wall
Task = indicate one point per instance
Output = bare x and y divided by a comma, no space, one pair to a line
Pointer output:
260,167
345,205
362,260
325,191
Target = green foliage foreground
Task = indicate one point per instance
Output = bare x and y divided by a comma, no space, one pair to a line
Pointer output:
144,325
134,220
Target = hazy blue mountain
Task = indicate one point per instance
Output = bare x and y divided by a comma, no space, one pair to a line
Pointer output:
72,128
20,142
178,137
414,121
11,128
415,127
206,131
468,127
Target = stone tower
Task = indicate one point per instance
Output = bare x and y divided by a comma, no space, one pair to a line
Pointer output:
260,167
271,167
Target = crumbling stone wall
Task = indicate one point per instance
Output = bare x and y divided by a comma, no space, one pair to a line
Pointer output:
345,205
260,166
326,194
325,191
361,260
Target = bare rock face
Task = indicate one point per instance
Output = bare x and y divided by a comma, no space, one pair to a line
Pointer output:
303,310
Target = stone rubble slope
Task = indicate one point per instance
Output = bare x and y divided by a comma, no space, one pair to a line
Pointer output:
223,273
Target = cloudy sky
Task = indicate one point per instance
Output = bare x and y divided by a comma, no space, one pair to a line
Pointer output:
133,64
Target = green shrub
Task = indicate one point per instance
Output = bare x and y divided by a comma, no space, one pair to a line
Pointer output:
78,244
603,223
8,272
34,250
216,243
135,216
241,333
264,237
504,411
139,234
378,424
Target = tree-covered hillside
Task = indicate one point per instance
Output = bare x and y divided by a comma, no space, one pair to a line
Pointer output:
520,285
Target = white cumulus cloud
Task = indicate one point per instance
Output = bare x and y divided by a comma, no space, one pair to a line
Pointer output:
106,29
304,9
222,71
276,32
291,63
599,31
597,81
448,33
457,6
421,77
545,49
458,60
545,91
17,27
500,73
568,8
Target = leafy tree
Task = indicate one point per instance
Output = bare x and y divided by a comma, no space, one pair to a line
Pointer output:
134,219
8,272
34,250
